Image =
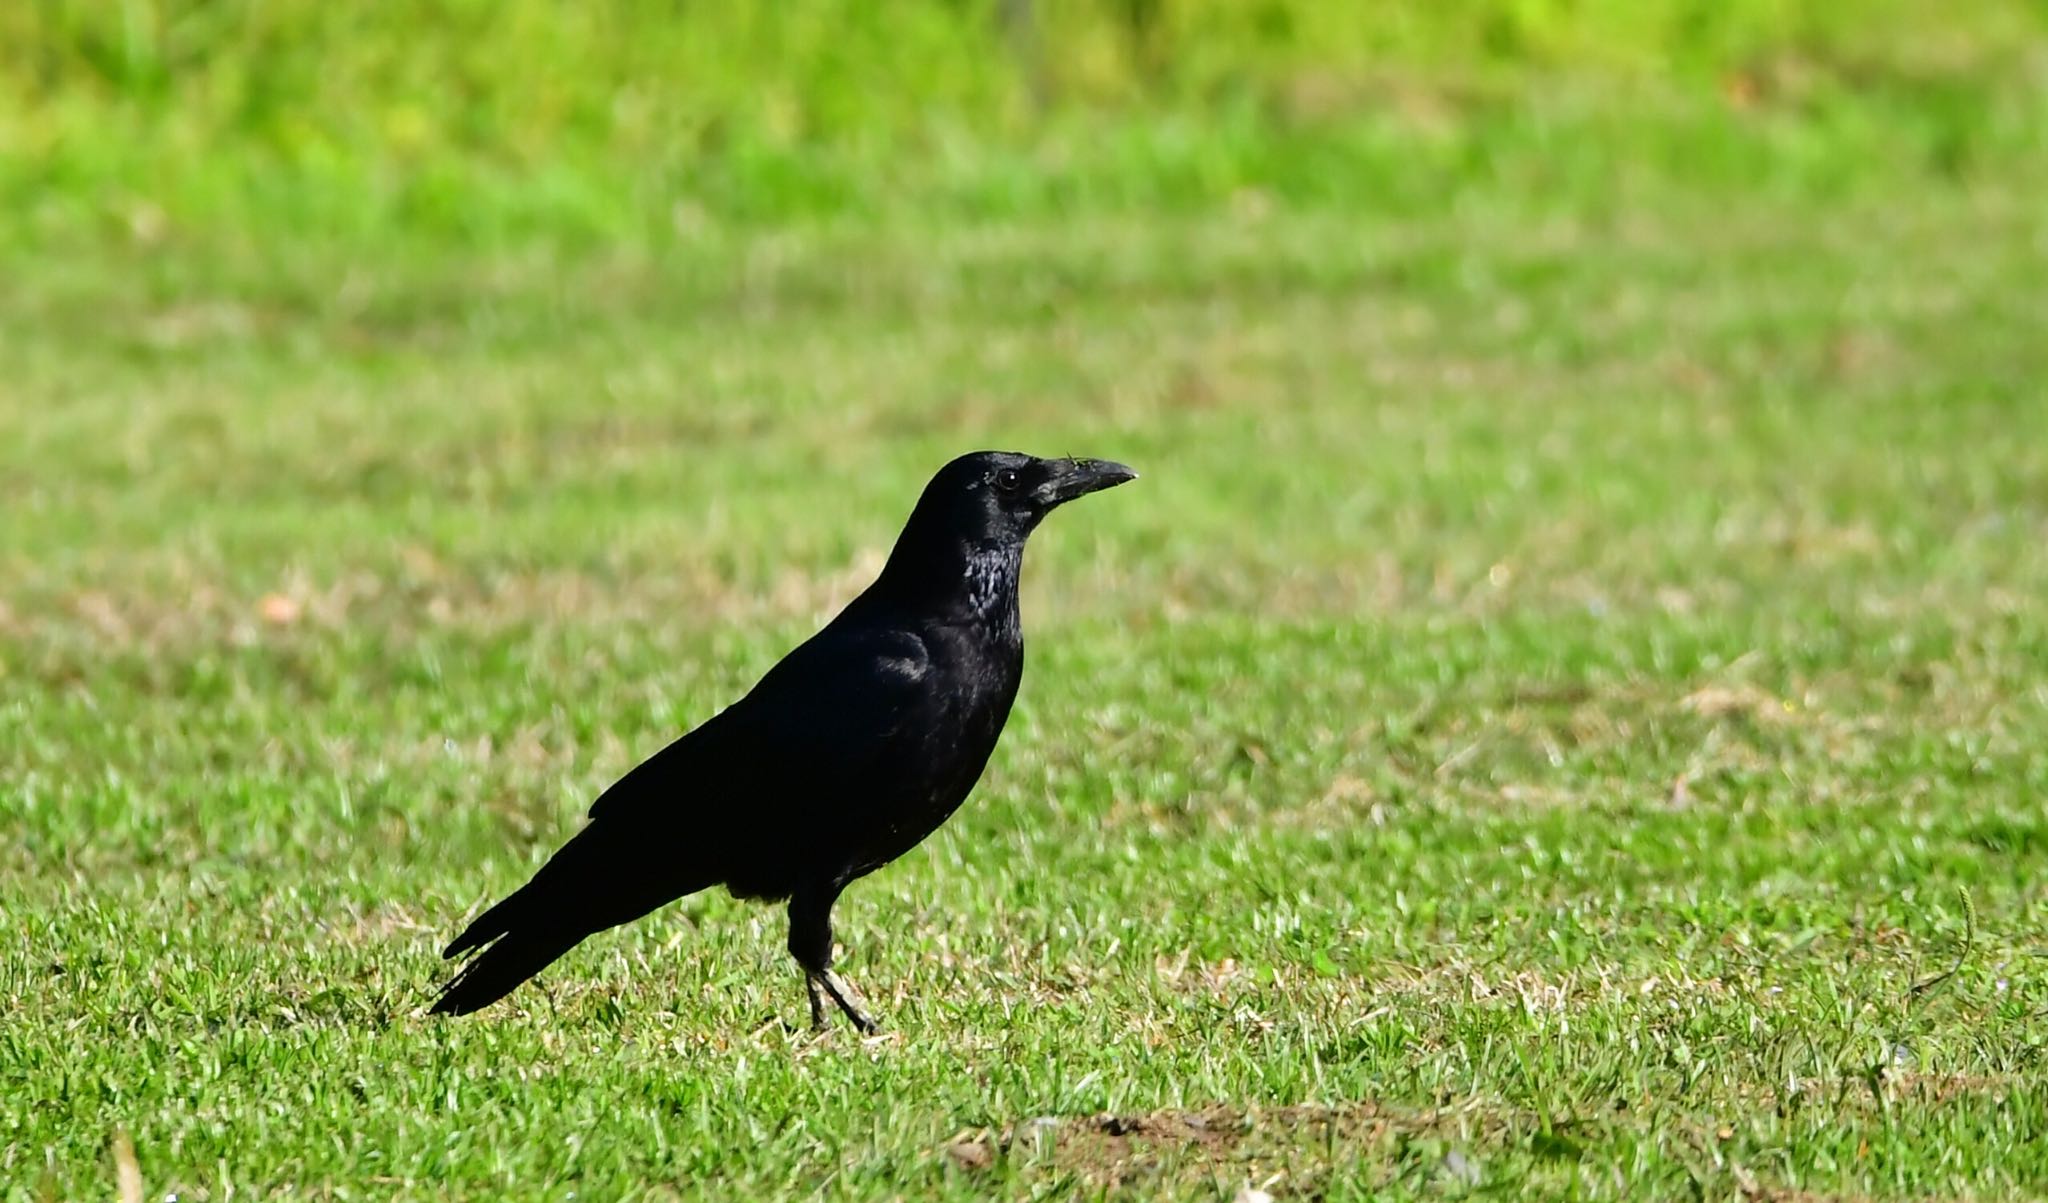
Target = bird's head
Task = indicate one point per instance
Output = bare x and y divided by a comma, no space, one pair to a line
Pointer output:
972,521
998,497
975,515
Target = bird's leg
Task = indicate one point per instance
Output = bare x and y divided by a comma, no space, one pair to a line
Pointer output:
817,1000
810,942
850,1001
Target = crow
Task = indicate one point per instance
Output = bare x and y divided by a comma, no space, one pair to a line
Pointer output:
846,755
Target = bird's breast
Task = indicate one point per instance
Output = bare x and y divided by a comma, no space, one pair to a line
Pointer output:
973,685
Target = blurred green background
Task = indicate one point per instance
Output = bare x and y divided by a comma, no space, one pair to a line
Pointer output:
482,123
1561,714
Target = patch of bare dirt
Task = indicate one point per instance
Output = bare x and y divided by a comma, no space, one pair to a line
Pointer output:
1113,1148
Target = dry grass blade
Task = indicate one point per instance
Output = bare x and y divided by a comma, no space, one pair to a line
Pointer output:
1926,985
127,1171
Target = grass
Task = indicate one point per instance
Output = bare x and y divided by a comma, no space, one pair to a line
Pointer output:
1562,712
1557,691
494,125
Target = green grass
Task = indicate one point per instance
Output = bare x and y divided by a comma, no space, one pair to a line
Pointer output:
1562,712
1344,792
494,123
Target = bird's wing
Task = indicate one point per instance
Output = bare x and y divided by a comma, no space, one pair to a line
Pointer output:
825,715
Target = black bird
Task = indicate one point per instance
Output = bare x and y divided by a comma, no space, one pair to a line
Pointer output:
848,753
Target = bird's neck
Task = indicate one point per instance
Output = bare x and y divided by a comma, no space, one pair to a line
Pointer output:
958,581
991,594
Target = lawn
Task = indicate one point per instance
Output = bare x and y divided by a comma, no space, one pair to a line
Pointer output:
1564,711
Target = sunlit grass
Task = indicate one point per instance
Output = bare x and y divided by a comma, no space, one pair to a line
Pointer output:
1563,695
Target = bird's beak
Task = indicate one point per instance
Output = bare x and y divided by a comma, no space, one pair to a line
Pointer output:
1073,478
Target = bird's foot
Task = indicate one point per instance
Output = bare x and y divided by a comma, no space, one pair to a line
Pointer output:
774,1023
817,1002
844,996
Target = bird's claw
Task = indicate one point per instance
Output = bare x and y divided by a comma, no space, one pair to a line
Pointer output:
844,996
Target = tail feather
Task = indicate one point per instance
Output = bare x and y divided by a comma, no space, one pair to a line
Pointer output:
501,967
488,926
598,880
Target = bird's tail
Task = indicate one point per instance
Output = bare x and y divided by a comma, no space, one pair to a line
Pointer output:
509,960
598,880
520,936
493,923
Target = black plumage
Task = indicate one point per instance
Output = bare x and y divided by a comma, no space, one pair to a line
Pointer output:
850,751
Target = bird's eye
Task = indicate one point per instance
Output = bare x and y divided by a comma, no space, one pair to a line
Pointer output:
1008,479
